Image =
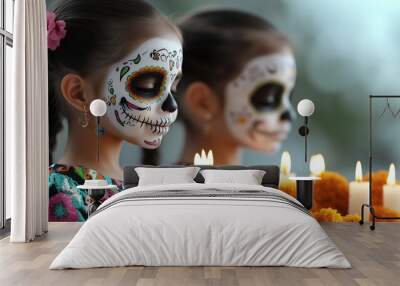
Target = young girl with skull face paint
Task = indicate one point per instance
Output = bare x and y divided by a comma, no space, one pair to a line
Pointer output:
239,73
121,51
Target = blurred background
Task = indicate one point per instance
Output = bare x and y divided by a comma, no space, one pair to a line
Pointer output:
345,50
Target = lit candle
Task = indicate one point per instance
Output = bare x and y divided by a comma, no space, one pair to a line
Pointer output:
317,165
358,193
204,159
285,184
391,191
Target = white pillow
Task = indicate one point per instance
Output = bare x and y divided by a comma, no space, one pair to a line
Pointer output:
166,176
248,177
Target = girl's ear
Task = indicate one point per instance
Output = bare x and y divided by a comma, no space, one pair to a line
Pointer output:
73,90
201,102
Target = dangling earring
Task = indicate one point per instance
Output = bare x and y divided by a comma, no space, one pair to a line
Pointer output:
84,119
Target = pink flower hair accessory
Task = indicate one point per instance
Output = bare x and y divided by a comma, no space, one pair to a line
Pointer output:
55,31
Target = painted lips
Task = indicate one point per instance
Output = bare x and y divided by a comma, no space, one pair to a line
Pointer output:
153,143
259,128
278,135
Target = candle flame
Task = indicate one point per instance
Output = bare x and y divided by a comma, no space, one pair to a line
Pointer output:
358,172
317,165
210,157
286,163
197,159
203,154
204,159
391,178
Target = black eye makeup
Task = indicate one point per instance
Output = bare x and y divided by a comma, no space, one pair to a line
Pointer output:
146,84
268,96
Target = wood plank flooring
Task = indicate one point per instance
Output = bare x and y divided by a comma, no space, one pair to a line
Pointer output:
375,257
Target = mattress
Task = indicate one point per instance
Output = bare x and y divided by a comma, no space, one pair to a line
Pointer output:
201,225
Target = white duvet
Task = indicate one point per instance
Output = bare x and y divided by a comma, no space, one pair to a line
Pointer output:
200,231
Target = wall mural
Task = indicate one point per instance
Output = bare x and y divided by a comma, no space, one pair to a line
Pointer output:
223,81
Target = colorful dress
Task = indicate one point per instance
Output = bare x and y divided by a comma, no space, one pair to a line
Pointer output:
66,201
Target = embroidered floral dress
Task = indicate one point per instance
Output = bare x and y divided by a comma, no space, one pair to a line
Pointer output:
66,201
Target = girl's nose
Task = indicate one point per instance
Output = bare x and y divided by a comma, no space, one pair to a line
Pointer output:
169,104
287,116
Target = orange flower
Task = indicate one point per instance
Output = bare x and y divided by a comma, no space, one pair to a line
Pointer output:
352,218
327,215
332,191
332,215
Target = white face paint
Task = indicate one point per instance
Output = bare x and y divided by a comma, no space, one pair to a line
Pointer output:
138,91
257,102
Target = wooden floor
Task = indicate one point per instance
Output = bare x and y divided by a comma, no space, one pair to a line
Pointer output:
375,257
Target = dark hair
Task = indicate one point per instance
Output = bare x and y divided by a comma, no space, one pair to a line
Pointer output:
98,34
217,43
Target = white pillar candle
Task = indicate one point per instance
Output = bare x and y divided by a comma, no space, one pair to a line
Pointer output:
285,184
391,191
317,165
358,193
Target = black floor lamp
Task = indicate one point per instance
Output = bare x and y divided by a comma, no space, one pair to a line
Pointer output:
305,108
304,185
98,108
96,188
370,203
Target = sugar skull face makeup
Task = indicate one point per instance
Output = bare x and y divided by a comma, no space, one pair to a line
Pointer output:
258,111
139,91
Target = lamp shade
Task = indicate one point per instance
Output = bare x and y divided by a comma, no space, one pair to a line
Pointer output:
305,107
98,107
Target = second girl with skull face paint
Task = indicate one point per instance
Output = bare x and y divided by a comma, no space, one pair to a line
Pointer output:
238,76
124,52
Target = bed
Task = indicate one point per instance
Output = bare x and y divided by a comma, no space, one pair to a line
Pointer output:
201,224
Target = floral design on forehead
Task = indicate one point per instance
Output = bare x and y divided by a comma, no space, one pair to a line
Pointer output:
174,58
257,101
139,91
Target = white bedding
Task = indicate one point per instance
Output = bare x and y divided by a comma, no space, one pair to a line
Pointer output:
183,231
